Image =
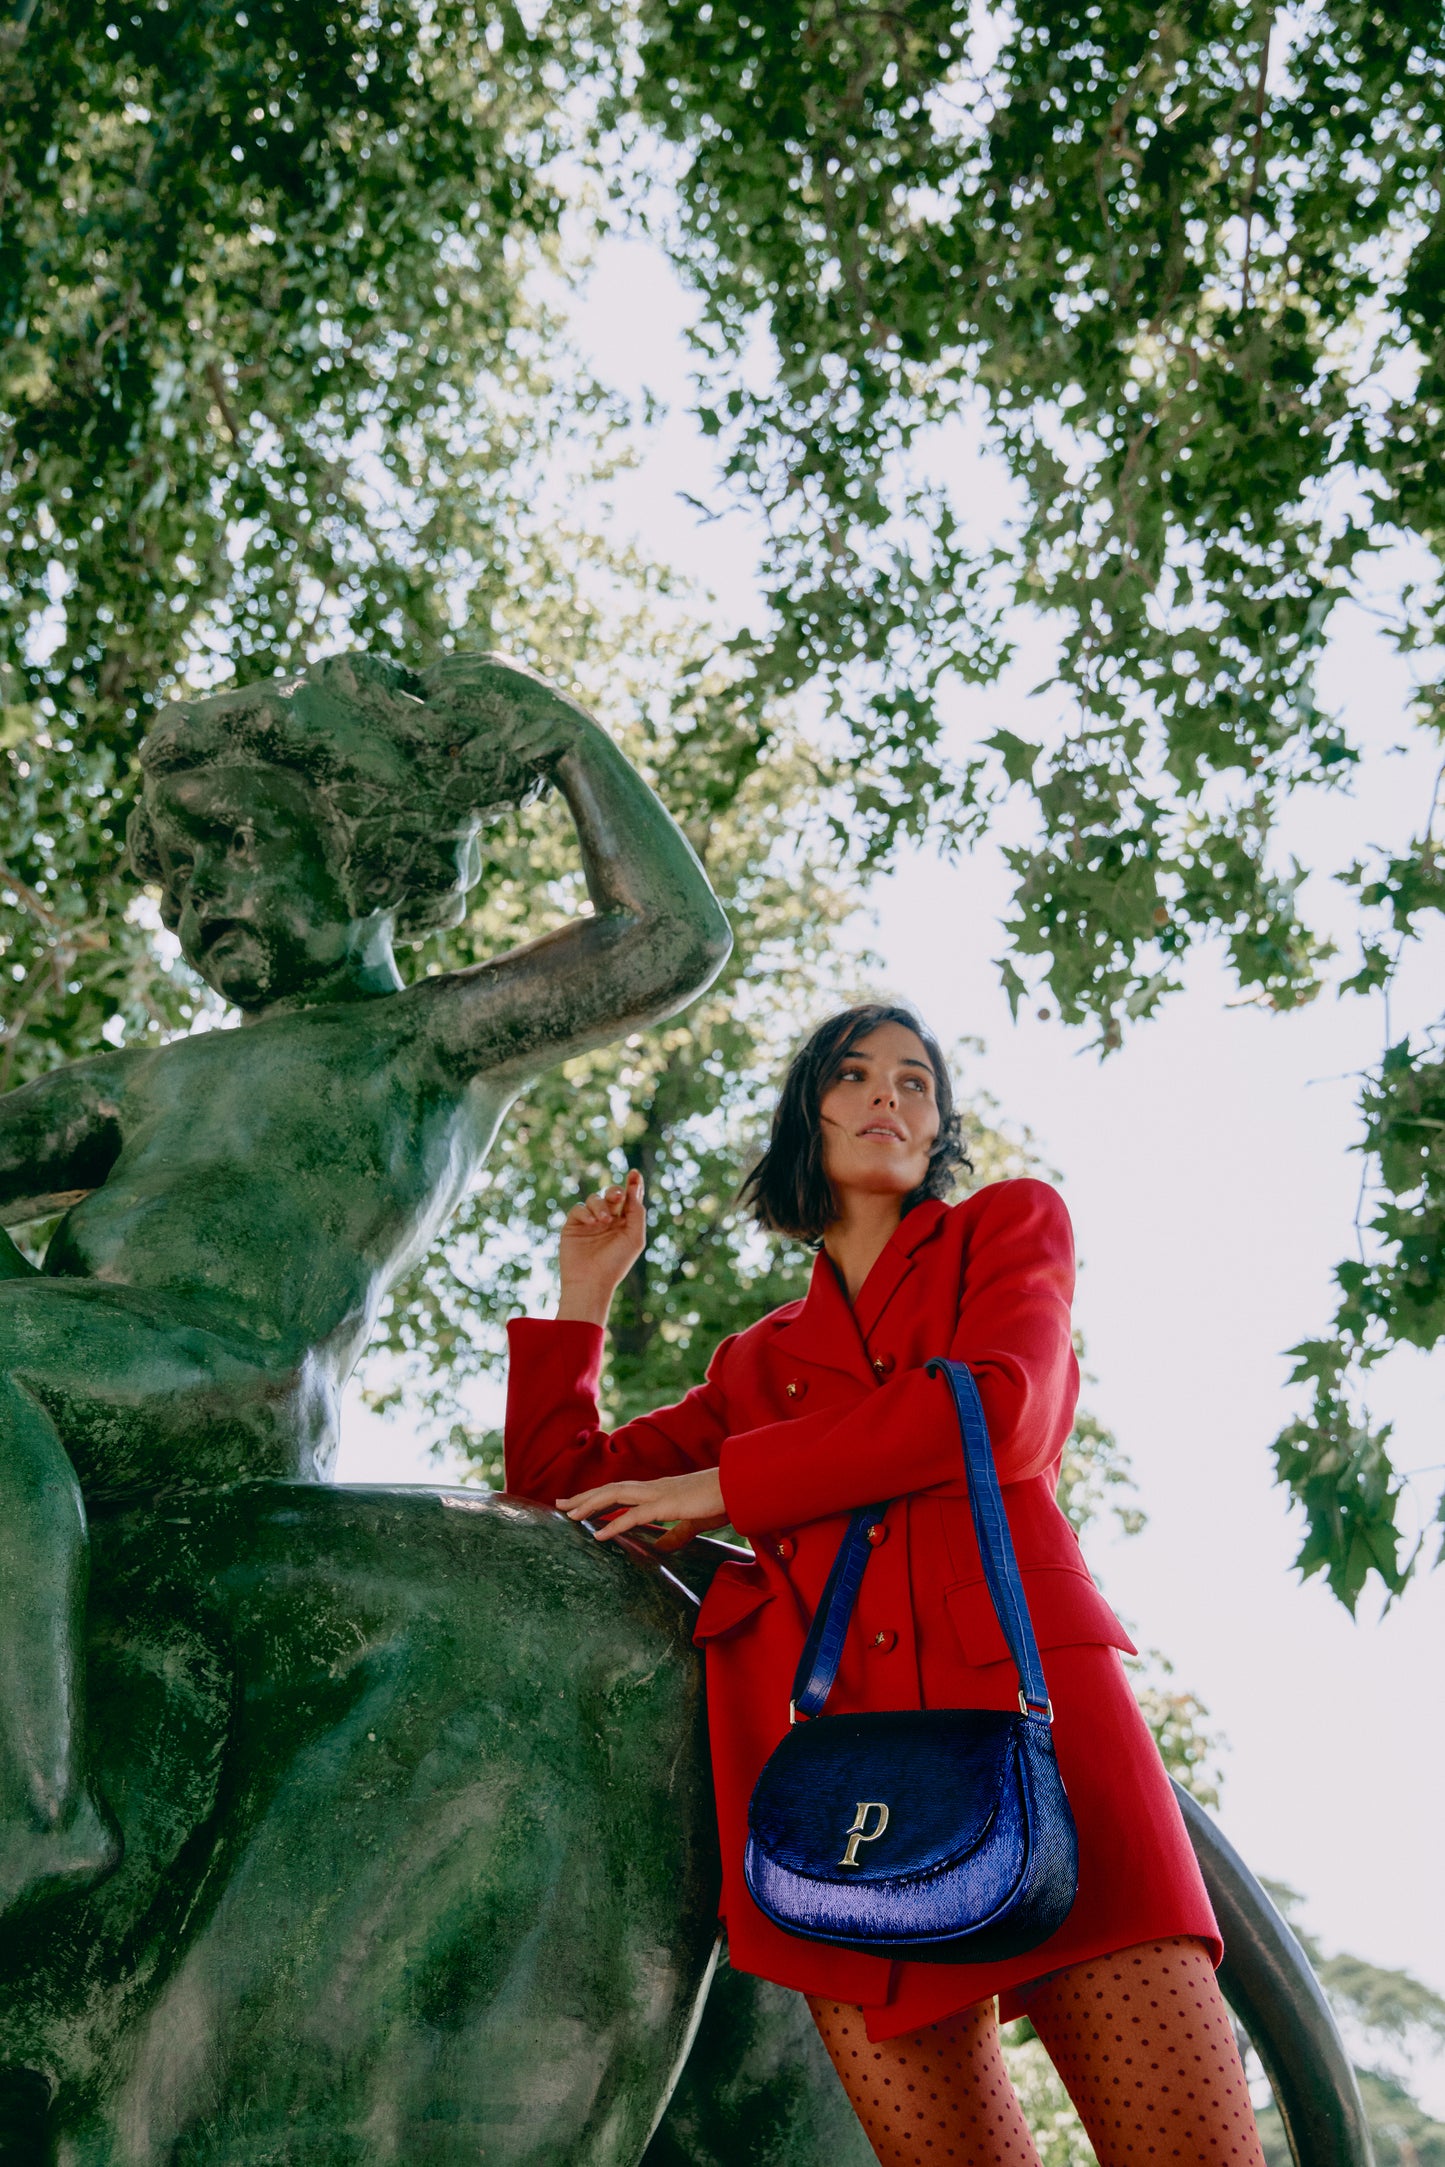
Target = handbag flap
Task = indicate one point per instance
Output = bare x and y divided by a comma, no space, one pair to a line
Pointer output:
1066,1608
918,1789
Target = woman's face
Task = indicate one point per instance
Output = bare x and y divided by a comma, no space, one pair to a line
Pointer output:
880,1115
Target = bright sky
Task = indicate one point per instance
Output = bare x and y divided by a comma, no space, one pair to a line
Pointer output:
1209,1173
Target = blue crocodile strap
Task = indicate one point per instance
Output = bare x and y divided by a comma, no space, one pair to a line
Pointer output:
823,1648
995,1543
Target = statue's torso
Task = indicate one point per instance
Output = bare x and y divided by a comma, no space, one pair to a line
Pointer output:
279,1176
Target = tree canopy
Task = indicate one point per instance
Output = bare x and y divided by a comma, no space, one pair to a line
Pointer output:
1187,263
274,375
271,379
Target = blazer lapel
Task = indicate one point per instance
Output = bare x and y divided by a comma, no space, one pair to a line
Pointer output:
894,1265
830,1333
825,1331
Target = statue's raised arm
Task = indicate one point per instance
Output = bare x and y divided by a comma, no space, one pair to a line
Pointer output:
656,935
401,771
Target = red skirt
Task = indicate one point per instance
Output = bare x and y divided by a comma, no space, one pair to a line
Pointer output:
1139,1880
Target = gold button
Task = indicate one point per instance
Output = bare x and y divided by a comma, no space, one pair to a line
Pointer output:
885,1642
796,1389
783,1548
878,1534
883,1366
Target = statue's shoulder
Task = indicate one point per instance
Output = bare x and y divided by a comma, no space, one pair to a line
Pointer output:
384,1019
86,1081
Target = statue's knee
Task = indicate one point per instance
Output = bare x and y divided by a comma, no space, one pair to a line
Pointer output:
37,1477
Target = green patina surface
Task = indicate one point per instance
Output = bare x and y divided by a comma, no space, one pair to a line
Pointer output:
758,2088
419,1855
419,1859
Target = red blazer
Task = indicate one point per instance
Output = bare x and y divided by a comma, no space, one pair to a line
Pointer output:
821,1407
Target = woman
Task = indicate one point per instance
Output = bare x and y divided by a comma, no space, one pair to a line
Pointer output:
824,1406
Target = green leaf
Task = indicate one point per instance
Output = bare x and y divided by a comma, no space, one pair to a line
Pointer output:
1019,758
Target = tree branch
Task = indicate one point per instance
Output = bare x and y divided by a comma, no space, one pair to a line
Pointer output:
1254,162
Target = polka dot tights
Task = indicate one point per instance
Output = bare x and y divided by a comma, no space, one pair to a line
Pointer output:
936,2095
1142,2040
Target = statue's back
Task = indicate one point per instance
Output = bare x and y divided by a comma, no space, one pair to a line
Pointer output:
420,1859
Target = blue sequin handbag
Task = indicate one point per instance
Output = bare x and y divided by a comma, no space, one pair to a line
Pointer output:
938,1833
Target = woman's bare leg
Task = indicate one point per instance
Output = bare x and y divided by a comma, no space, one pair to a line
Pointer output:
936,2095
1144,2045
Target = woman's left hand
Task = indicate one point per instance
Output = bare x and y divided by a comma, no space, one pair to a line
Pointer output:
694,1502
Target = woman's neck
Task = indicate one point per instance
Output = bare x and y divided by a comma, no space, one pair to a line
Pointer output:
855,1240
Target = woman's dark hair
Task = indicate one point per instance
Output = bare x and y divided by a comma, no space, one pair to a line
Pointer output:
788,1191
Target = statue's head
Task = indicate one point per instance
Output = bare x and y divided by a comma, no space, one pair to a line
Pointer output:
291,824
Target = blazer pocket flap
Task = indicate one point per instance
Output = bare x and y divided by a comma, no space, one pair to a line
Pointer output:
1065,1606
736,1592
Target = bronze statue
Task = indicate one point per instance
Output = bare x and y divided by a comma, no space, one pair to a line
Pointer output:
237,1203
388,1840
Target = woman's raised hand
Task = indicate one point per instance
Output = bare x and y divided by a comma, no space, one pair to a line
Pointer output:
602,1238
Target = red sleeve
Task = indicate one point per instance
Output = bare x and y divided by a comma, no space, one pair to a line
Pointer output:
554,1446
1014,1333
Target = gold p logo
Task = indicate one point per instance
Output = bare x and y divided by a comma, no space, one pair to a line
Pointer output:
860,1832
